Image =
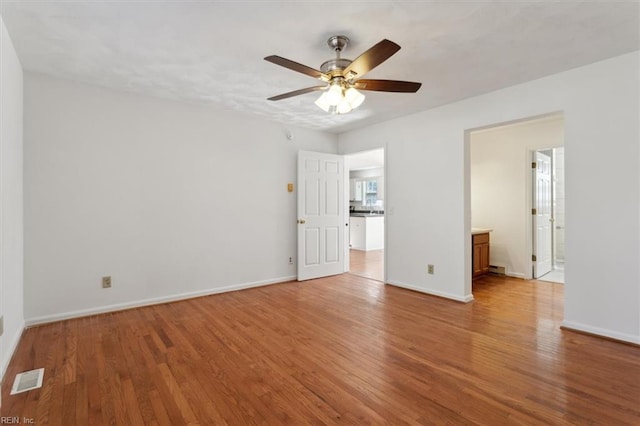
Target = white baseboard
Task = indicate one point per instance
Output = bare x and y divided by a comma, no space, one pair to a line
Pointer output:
466,299
13,344
515,274
601,332
153,301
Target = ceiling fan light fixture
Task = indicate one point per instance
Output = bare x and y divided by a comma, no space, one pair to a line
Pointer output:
323,103
354,97
334,94
337,100
343,107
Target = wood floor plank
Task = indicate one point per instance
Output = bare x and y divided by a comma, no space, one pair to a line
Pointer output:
343,349
367,264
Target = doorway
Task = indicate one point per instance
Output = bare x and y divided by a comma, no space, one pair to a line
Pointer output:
500,190
366,213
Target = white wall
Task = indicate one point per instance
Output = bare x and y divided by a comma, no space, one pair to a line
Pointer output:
11,185
428,208
169,199
501,187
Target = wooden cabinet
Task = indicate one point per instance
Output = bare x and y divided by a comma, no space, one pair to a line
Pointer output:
480,254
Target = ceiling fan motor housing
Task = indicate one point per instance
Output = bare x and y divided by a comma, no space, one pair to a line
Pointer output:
332,65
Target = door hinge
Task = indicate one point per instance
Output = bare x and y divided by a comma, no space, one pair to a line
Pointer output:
534,165
534,258
534,211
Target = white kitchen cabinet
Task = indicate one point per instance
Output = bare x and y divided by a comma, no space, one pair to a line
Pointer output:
380,180
357,233
366,233
355,190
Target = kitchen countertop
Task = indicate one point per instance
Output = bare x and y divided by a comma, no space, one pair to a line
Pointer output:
366,214
475,231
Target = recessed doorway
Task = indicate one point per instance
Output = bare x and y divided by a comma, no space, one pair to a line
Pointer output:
501,193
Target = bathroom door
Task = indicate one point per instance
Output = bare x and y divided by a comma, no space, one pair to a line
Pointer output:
542,219
321,215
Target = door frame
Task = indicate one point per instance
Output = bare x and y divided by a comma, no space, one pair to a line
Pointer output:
526,202
347,169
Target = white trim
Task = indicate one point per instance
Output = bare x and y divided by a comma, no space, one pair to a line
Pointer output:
515,274
13,344
346,195
466,299
385,204
601,332
154,301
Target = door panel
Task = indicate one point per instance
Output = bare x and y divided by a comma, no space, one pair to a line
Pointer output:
332,238
332,199
321,215
312,246
312,199
542,219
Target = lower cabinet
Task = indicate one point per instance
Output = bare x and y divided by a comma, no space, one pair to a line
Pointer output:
357,233
480,254
366,233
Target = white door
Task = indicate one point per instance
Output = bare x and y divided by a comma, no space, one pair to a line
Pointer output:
542,219
321,215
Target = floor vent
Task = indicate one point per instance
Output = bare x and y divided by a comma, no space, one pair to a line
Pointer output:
27,381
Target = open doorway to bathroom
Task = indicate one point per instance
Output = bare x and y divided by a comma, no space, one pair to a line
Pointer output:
366,214
501,193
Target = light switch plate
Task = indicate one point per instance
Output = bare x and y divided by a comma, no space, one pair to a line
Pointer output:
106,282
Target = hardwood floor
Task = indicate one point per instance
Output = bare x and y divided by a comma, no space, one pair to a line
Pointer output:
368,264
343,349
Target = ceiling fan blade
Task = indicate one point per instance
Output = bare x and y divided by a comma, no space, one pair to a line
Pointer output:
283,62
371,58
296,93
387,85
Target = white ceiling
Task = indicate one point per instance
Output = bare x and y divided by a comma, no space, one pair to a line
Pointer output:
212,51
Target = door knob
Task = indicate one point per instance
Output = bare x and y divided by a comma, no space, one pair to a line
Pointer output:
301,221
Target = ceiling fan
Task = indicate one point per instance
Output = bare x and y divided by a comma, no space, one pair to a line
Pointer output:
343,78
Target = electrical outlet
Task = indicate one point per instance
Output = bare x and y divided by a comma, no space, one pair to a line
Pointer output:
106,282
291,261
430,269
